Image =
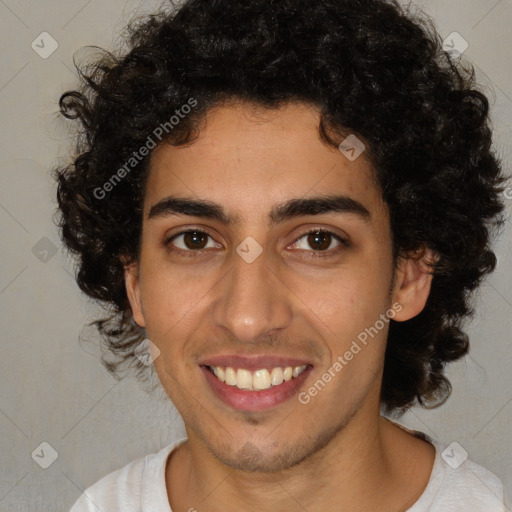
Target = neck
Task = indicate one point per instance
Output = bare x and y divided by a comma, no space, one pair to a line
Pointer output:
364,467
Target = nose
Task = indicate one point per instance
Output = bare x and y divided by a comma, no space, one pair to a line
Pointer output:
253,302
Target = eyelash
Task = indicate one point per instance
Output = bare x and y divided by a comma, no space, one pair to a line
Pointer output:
313,254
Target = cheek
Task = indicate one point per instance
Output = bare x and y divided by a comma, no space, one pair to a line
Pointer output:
171,300
350,300
348,314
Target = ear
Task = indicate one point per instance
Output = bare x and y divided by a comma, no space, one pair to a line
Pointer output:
131,281
413,279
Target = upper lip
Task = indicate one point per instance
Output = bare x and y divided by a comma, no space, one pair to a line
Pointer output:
253,362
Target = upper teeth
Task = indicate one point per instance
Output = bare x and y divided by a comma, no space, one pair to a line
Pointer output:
258,380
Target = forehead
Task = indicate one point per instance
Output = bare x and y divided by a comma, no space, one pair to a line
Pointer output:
249,158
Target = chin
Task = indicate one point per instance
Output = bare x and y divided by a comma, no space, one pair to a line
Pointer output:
269,455
251,459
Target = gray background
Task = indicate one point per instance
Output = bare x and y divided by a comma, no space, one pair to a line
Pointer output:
53,388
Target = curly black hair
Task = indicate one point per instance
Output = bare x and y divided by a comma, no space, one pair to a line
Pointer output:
372,68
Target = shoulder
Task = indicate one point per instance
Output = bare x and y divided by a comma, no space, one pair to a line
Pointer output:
119,490
126,489
471,485
459,484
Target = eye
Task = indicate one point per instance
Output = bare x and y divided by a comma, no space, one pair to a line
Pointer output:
317,242
321,241
191,241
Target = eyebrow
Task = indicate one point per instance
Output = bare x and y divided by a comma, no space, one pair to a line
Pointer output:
292,208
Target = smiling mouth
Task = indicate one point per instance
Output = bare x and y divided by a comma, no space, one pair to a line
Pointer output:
258,380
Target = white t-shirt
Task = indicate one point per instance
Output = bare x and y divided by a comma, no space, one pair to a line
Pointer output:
140,487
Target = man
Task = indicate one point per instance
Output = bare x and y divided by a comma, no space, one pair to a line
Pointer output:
287,204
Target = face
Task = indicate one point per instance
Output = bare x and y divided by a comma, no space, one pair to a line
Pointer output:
247,268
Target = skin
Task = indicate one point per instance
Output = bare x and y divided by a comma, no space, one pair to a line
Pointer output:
337,448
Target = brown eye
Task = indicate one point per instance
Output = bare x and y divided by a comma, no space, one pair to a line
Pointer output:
192,240
195,240
319,241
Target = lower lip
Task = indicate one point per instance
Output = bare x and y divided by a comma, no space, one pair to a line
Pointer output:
246,400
